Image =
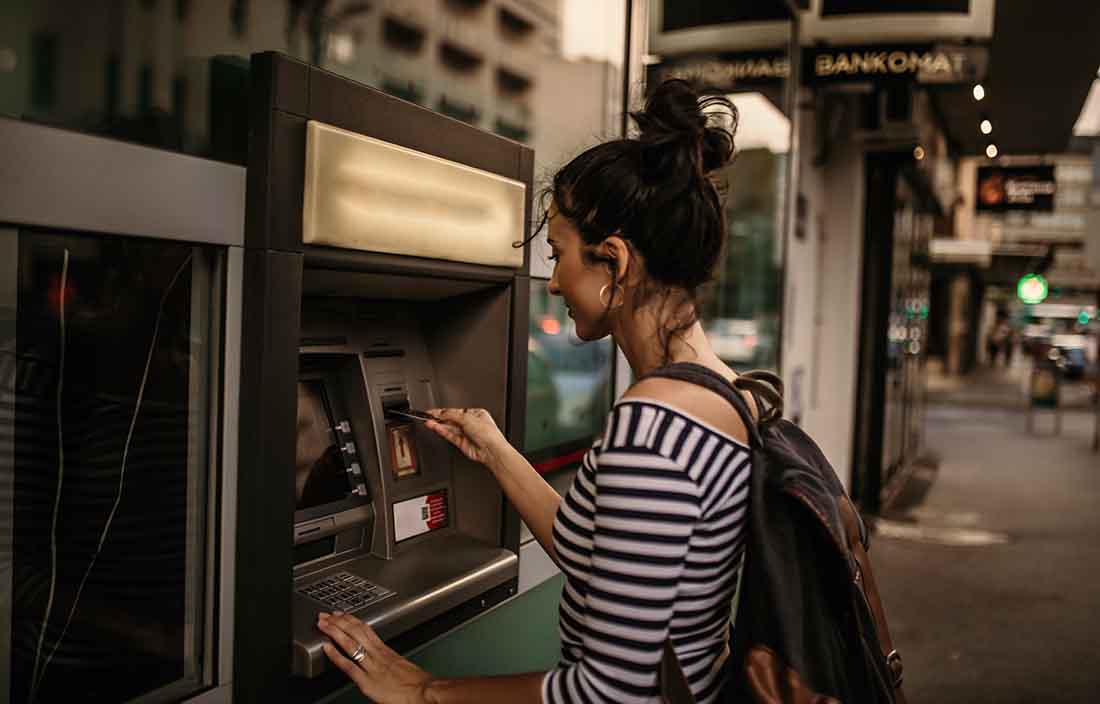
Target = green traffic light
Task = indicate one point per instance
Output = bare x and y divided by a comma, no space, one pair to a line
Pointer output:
1032,289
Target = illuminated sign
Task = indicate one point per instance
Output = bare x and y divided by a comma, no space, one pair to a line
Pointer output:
1003,188
924,63
1032,289
725,72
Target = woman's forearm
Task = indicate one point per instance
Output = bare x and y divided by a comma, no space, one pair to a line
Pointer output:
534,498
521,689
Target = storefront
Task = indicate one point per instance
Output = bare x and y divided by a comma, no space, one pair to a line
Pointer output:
839,299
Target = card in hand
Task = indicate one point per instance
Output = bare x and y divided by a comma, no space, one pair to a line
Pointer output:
411,414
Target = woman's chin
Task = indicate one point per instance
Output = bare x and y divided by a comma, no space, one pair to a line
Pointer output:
586,334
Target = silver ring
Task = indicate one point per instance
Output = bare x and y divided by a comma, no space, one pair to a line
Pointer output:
359,654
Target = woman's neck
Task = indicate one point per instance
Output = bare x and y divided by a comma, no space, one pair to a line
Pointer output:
642,341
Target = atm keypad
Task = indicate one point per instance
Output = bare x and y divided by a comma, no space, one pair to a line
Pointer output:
344,591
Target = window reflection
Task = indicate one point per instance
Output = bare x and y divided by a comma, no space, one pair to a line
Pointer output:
568,380
741,317
108,375
174,74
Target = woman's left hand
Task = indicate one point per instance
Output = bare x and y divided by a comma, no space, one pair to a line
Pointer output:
380,673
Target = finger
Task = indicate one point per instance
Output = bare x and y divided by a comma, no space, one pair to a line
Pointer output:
347,641
348,667
373,638
452,415
448,432
359,632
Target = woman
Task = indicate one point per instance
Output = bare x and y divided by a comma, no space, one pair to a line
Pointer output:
650,534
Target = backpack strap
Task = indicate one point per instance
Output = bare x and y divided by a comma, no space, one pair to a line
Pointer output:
756,383
764,385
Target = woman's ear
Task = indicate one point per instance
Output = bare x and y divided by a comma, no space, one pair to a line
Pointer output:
615,249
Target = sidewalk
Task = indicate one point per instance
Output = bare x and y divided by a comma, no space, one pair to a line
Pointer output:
989,583
997,387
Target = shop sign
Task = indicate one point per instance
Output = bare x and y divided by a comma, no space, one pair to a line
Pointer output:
1002,188
877,7
727,72
924,63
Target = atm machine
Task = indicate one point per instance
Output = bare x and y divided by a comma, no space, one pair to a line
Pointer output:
381,276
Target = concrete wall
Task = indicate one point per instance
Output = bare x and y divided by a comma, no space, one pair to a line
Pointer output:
822,302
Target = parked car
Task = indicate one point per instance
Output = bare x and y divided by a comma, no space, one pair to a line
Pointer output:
741,342
1070,356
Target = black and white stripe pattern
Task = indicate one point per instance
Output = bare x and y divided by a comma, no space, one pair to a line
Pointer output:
650,538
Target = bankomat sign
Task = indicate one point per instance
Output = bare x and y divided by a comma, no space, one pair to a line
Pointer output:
924,63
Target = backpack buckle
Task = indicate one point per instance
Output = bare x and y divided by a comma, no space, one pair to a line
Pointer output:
897,669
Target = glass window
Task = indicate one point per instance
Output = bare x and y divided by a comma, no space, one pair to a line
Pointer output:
571,54
568,380
741,315
548,73
105,452
742,309
508,66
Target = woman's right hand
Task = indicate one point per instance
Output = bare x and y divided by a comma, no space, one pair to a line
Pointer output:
472,431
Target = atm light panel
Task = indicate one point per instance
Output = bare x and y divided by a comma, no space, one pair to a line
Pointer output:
365,194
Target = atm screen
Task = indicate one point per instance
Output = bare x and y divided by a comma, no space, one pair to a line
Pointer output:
320,475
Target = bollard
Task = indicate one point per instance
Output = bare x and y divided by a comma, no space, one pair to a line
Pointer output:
1044,389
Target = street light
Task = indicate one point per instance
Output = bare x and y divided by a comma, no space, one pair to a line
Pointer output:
991,151
918,152
986,126
979,92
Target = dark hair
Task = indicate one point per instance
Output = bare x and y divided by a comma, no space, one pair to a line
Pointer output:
655,191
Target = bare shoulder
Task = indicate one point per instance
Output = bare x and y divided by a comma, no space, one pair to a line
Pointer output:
693,400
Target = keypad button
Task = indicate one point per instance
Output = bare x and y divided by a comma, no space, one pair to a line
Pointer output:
345,591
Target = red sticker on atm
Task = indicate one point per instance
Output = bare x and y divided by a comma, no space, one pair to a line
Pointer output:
420,515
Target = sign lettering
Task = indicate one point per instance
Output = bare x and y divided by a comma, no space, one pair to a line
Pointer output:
923,63
927,65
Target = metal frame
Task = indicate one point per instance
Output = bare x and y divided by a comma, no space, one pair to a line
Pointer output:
54,178
9,259
230,429
791,178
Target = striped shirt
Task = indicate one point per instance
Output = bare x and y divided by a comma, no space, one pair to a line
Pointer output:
650,538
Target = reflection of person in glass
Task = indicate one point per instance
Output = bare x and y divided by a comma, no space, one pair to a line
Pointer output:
651,534
320,476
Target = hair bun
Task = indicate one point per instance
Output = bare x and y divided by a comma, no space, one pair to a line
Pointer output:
678,118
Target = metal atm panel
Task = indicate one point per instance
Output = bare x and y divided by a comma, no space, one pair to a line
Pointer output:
454,334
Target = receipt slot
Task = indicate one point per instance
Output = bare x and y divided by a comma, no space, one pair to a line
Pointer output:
380,279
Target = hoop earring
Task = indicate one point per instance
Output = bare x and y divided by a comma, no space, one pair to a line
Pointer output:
609,303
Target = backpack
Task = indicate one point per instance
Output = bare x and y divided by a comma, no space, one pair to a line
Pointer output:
809,626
